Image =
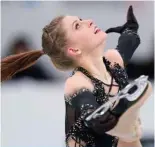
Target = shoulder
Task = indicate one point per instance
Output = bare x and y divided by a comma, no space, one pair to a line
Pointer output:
114,57
77,82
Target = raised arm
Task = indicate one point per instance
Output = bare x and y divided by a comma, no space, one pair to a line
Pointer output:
129,39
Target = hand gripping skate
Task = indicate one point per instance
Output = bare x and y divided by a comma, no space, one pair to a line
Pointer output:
129,101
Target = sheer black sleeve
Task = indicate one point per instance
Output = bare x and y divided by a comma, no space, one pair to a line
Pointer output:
75,111
78,106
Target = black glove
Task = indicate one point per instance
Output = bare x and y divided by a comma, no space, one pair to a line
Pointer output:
129,39
131,24
103,123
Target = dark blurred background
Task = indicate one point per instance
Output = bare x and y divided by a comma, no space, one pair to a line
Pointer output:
28,100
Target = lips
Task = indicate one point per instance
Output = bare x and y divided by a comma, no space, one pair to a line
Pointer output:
96,30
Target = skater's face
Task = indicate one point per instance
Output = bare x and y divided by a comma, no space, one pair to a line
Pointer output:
68,39
83,36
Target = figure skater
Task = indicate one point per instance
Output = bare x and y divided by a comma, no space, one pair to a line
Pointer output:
76,44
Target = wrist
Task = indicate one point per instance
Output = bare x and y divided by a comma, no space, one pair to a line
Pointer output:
129,31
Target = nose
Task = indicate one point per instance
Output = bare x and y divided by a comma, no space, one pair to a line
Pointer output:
89,22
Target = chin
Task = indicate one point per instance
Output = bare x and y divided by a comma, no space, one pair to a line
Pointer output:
104,35
103,39
101,44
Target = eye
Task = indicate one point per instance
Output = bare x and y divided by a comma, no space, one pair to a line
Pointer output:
80,19
77,26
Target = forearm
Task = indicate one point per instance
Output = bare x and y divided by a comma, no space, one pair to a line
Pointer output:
136,143
129,39
127,44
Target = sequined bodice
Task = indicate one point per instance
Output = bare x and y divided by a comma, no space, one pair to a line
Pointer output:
75,127
116,72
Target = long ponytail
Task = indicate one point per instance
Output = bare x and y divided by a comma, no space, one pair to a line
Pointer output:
15,63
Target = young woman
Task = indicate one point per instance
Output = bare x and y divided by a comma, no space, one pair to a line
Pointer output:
73,43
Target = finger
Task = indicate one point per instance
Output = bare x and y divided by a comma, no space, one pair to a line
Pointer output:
109,124
130,10
106,117
130,16
109,30
116,30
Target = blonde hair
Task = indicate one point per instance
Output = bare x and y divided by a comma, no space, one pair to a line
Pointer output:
53,42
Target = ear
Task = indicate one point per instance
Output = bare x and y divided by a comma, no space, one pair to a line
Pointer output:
73,51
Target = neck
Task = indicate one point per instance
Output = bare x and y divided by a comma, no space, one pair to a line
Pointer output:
94,64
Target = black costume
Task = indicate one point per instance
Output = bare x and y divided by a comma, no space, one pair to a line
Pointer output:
84,101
